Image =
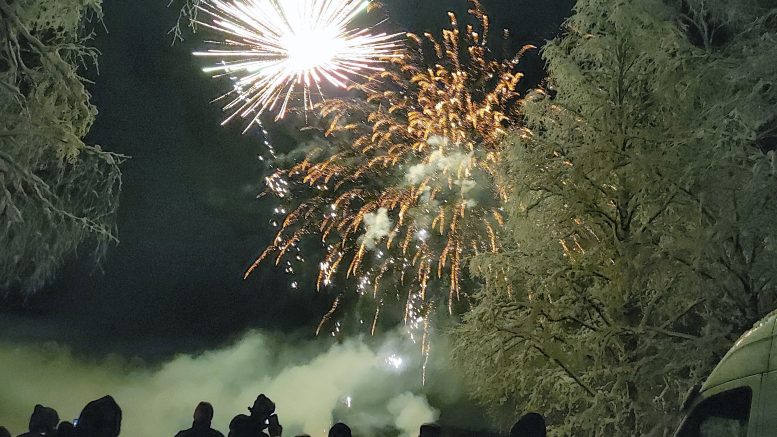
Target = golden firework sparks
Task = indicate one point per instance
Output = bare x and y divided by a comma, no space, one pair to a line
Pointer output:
406,189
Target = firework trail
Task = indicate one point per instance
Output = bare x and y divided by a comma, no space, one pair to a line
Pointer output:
278,51
406,188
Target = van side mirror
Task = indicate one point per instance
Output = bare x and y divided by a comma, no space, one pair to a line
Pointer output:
692,394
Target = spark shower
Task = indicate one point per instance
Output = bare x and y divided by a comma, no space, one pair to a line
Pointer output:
277,51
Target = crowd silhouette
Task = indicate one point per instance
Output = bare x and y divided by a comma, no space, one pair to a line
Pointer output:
102,418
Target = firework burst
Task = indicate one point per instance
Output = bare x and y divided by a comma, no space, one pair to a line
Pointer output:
277,51
405,188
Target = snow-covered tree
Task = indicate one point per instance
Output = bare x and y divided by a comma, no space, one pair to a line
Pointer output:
56,192
640,236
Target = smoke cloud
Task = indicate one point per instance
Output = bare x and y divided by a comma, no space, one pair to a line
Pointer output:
411,411
456,166
438,163
377,226
312,387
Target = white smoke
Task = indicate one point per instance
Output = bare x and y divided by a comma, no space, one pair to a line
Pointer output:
466,185
439,163
347,381
454,166
377,226
437,141
417,173
410,412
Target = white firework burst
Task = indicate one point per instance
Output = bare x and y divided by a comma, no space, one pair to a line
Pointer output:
279,51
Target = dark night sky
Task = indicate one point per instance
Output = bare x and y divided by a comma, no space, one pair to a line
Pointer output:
189,223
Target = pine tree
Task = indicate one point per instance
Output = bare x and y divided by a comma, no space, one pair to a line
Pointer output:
640,239
56,192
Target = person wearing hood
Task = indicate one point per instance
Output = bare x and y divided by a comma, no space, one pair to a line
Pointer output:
43,422
100,418
203,415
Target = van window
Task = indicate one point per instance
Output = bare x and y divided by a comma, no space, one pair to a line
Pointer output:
723,415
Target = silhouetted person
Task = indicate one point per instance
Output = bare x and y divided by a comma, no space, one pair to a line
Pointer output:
100,418
274,428
203,415
340,430
5,433
66,429
43,422
430,430
262,412
530,425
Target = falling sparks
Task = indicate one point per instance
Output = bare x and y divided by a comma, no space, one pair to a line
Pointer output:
412,164
395,362
279,51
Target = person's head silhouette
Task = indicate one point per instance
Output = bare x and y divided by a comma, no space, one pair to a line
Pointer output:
530,425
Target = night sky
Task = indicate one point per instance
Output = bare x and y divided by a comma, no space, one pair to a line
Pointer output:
189,223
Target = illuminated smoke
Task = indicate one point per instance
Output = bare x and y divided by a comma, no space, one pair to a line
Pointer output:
311,386
410,412
377,226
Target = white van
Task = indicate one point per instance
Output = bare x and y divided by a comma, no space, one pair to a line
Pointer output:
739,398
